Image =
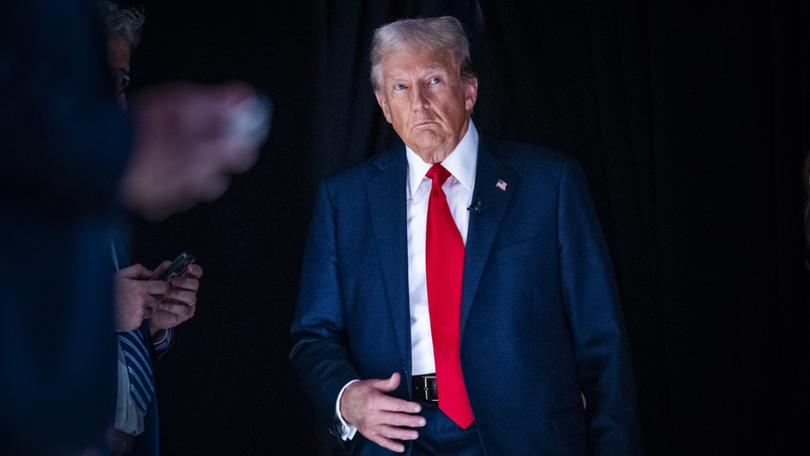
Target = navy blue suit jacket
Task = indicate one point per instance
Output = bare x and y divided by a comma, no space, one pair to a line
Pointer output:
541,321
65,145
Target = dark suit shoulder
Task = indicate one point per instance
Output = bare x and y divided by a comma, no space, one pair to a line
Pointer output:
531,160
354,178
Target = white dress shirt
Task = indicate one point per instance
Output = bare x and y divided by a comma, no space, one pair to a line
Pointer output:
459,191
461,163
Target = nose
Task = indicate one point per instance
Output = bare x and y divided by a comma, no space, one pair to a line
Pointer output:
419,100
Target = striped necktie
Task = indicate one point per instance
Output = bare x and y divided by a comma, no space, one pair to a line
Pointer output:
134,345
139,366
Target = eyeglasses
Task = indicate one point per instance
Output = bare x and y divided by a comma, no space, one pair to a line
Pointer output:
122,80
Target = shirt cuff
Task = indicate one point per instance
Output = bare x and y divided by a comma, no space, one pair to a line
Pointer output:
347,431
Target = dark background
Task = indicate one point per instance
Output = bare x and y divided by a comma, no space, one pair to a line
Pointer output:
691,122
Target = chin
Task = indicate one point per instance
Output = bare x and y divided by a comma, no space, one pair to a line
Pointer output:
426,145
427,149
428,140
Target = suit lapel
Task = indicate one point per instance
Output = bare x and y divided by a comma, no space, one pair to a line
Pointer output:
386,196
493,196
388,212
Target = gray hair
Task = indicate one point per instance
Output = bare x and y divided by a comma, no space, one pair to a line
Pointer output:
123,22
434,34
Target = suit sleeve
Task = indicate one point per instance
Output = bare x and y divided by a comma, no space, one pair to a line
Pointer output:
595,318
319,352
65,140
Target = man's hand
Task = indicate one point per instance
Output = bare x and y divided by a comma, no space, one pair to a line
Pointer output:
185,150
381,418
136,296
180,301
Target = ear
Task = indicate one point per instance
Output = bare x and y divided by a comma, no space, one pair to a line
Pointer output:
383,102
470,92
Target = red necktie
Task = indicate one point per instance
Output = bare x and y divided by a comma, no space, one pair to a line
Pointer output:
444,270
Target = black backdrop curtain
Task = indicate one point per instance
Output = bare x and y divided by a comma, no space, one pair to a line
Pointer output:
689,120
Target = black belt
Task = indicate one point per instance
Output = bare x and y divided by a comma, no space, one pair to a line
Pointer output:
424,388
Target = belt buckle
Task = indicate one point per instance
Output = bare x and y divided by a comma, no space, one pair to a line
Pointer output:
427,390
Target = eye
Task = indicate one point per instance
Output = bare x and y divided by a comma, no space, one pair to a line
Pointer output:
399,87
434,80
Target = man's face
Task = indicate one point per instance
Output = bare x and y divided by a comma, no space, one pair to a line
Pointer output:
424,98
118,56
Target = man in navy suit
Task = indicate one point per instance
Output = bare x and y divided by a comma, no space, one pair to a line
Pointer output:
457,296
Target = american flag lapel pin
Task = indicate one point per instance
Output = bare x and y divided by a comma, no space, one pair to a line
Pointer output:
501,185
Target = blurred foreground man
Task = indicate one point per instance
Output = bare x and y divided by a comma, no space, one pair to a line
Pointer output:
70,160
146,309
457,296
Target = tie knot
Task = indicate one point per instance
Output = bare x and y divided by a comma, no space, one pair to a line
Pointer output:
438,174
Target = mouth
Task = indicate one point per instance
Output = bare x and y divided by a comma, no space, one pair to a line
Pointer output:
425,123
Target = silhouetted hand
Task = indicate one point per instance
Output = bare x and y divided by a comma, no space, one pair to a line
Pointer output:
185,148
180,301
135,296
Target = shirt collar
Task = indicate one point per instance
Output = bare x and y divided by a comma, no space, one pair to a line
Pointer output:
461,162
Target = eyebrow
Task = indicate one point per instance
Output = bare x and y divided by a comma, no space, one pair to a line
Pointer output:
433,69
436,68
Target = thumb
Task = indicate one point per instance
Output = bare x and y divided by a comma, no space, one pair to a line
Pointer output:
389,384
231,94
136,271
159,270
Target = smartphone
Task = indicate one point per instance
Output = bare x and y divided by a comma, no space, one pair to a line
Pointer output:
177,267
